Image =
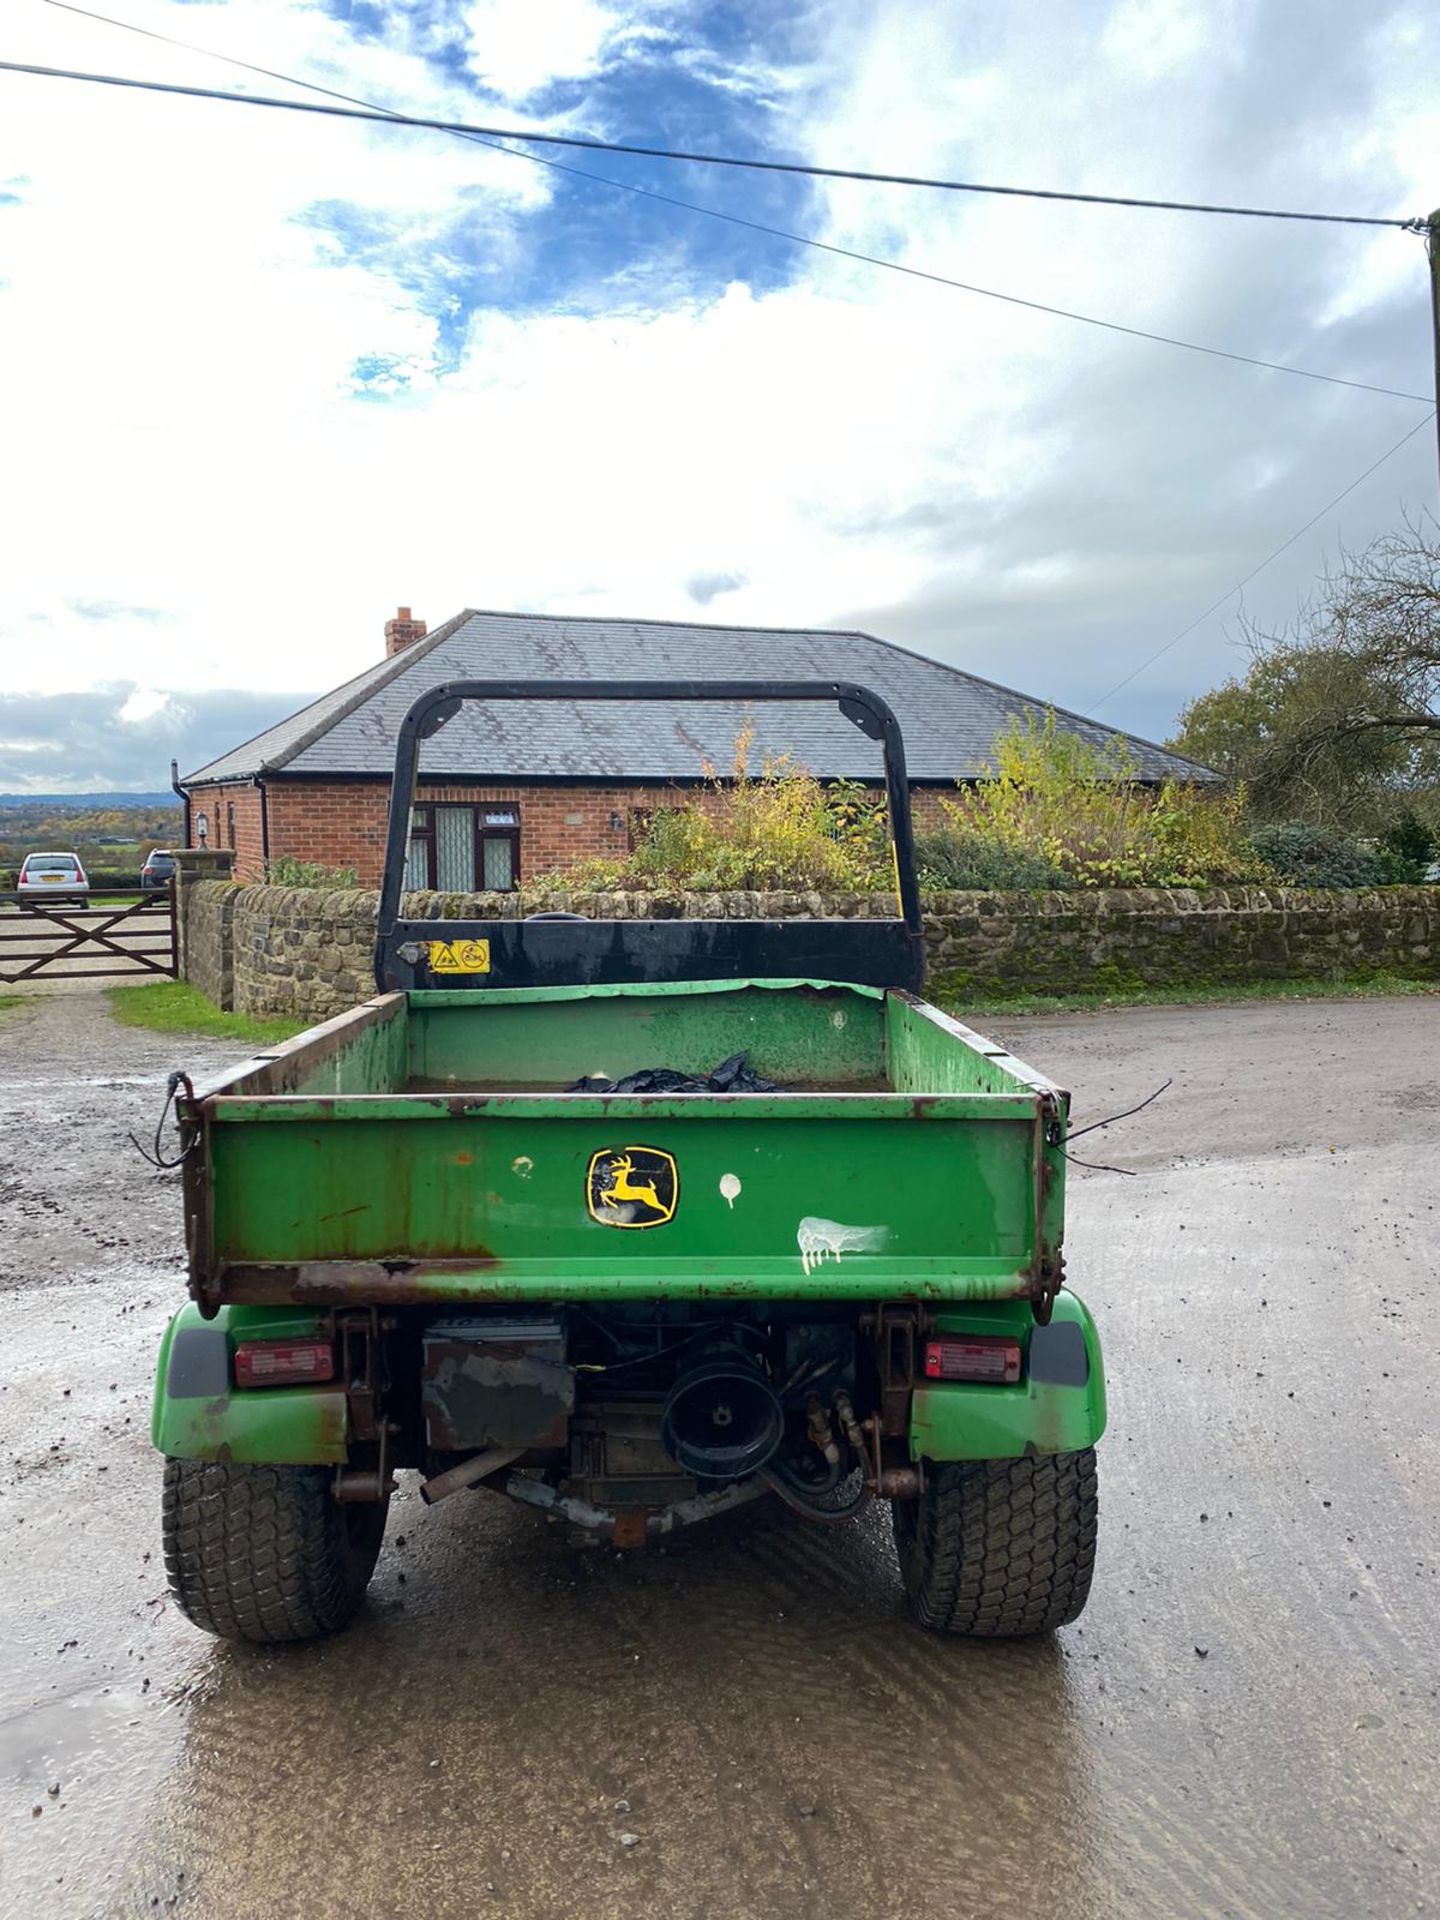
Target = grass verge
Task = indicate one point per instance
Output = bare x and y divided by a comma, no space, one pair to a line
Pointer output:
1378,987
174,1006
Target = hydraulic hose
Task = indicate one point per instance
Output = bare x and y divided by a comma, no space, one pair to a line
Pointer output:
799,1500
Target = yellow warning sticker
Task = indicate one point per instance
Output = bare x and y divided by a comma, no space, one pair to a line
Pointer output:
459,956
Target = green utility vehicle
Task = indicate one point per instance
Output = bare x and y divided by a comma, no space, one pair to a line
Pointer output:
435,1234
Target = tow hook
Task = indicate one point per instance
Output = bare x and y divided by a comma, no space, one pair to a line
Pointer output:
368,1483
888,1483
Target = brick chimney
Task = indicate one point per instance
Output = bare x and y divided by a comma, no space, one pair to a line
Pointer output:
402,632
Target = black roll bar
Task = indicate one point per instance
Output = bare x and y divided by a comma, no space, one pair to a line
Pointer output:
543,952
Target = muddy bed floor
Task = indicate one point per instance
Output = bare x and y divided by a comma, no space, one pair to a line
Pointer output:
448,1084
746,1724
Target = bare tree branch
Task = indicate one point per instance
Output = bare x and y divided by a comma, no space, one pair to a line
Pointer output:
1338,716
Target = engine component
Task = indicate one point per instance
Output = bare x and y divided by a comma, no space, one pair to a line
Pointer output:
818,1354
849,1425
722,1419
811,1502
617,1458
822,1434
495,1383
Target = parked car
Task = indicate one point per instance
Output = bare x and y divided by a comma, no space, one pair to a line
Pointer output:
157,872
54,878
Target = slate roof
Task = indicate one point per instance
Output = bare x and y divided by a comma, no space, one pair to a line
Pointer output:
949,717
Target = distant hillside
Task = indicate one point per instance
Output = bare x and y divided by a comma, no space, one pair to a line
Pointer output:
112,831
90,802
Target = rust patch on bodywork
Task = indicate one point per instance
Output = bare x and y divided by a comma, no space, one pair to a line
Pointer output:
331,1283
285,1068
278,1425
1047,1273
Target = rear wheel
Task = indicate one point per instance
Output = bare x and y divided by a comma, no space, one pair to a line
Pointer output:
1000,1548
265,1554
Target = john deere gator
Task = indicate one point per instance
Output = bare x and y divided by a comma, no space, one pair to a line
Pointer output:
504,1225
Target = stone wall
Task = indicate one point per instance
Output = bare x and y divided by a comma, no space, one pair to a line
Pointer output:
204,947
302,951
309,952
985,944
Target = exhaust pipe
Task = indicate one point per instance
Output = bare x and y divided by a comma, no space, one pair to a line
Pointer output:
722,1419
469,1473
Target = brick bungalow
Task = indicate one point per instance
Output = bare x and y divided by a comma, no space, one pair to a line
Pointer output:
515,790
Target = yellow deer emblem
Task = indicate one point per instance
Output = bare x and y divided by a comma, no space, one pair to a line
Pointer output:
622,1187
632,1187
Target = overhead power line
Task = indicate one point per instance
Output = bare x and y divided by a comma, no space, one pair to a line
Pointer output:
494,139
1240,585
756,226
1410,225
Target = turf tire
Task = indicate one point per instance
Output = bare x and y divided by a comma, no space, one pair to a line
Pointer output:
1000,1549
265,1554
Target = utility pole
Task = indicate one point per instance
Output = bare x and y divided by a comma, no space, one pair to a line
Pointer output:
1432,246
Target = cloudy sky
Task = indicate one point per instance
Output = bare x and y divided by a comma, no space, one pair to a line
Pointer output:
263,377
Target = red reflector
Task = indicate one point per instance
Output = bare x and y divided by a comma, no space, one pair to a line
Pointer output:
283,1363
966,1356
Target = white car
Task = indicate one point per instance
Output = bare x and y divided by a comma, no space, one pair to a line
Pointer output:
53,877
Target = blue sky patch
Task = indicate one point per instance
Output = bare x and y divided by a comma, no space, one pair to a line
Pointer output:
365,19
699,77
380,376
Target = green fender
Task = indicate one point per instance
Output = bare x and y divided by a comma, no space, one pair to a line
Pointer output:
199,1414
1058,1406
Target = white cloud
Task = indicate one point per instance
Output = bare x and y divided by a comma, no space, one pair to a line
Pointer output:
145,703
517,48
1041,502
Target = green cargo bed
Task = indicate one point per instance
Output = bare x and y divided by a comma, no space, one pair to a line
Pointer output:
421,1149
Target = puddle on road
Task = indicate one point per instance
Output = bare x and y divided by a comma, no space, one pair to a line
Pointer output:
77,1740
104,1748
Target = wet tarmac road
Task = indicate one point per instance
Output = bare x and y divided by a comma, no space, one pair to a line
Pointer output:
1243,1723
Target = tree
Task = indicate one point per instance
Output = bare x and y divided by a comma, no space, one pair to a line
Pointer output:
1337,720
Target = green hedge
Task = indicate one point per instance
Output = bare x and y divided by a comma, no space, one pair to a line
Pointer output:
1300,855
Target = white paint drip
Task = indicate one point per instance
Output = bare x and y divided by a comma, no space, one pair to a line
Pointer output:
822,1240
730,1189
522,1167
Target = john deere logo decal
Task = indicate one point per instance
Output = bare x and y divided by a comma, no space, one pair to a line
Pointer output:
632,1187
